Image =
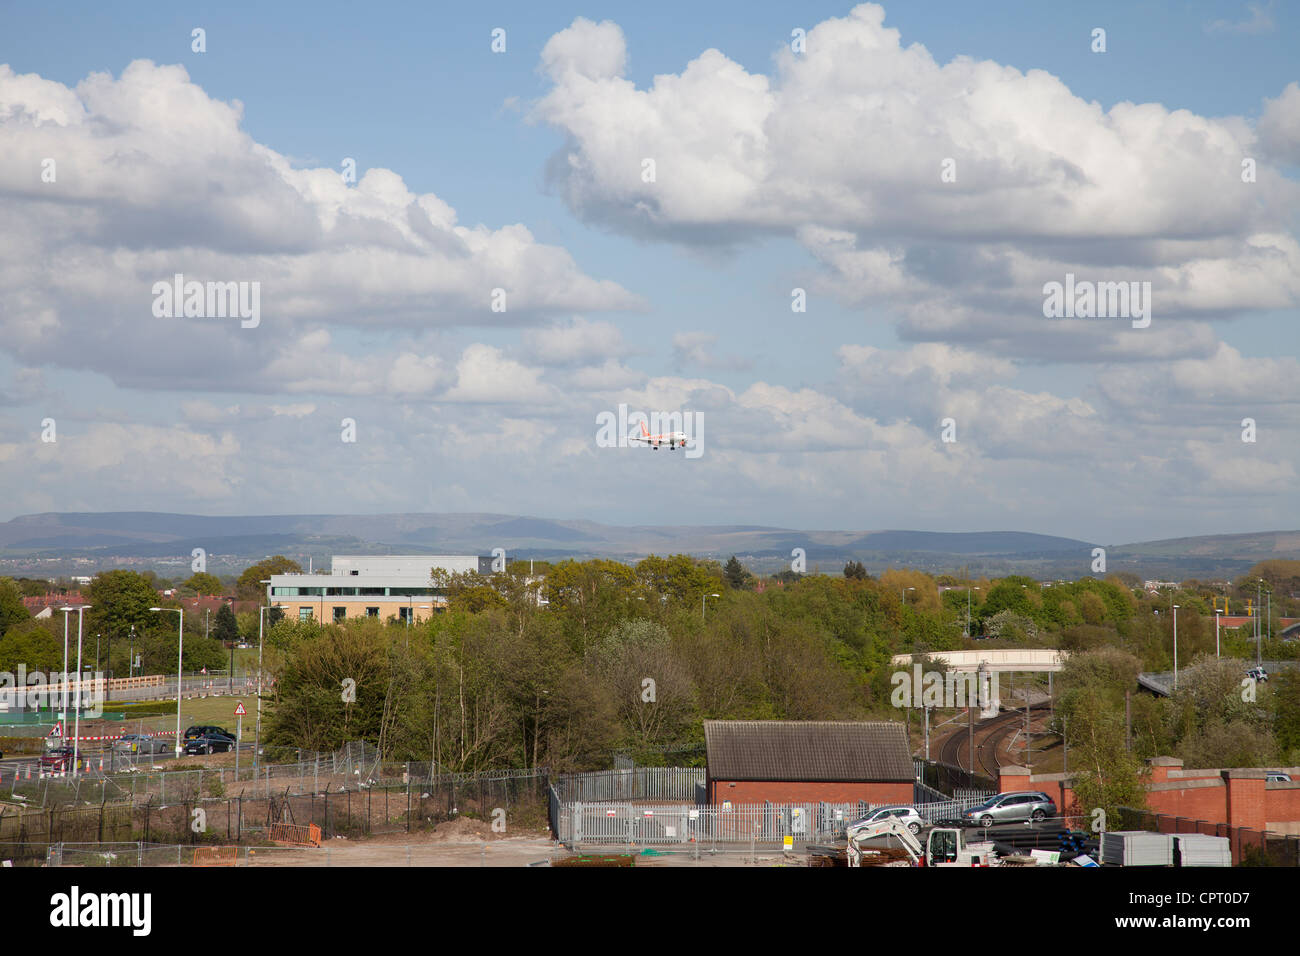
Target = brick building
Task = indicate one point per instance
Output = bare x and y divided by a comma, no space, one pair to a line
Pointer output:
807,761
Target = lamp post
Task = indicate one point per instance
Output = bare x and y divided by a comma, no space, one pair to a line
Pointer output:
180,657
76,731
1175,647
1259,632
63,698
1217,612
703,598
257,739
905,590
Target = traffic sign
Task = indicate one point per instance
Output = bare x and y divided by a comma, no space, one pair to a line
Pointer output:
57,731
239,709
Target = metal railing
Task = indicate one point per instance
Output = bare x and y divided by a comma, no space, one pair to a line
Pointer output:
639,783
641,824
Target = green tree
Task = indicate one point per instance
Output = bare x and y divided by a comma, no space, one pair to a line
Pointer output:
32,644
226,628
249,587
120,599
12,609
736,575
202,583
1106,776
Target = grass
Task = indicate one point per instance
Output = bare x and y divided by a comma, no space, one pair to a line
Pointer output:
161,715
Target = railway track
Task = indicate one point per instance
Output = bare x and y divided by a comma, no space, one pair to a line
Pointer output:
989,735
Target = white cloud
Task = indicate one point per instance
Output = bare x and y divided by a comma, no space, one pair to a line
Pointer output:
576,342
1279,127
153,177
484,374
844,148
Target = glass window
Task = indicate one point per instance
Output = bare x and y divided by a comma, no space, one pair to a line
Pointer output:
943,846
340,614
304,614
403,613
372,612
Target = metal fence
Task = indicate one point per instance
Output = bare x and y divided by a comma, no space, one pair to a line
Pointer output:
641,824
140,854
639,783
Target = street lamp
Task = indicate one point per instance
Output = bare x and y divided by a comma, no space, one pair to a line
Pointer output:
1175,647
1217,612
64,715
968,591
261,620
703,598
180,657
63,698
411,608
905,590
1259,632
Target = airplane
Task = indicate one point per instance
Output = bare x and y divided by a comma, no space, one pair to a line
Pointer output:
671,439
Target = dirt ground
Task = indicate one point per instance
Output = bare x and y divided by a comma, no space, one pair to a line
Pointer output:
466,842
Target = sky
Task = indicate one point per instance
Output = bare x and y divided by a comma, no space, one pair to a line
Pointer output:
823,235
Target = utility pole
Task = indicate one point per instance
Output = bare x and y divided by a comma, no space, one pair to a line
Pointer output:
970,716
1259,633
1128,720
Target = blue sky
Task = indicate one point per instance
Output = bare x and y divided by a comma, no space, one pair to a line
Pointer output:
800,433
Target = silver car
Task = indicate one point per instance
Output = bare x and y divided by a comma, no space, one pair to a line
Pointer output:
1012,808
905,815
140,744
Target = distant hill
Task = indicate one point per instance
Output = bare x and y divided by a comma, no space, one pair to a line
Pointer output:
72,542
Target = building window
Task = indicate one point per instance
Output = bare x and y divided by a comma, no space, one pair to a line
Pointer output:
304,614
372,612
340,615
404,614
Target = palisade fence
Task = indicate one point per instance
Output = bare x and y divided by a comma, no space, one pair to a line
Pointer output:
632,783
629,806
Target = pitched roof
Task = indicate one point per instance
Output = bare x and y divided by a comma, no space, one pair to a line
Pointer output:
812,750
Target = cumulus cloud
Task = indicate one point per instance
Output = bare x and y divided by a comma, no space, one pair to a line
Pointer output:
951,191
577,342
1279,126
115,184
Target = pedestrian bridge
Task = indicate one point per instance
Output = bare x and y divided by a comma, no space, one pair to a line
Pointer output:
1007,660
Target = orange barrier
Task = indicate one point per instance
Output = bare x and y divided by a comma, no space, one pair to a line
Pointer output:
216,855
288,834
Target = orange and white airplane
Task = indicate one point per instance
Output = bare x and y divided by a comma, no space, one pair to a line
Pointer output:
671,439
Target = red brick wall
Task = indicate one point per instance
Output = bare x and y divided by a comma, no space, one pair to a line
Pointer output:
1197,803
1282,806
775,791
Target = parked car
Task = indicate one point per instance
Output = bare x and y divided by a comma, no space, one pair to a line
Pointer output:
1012,808
1277,776
1258,673
57,760
210,743
141,744
199,730
905,815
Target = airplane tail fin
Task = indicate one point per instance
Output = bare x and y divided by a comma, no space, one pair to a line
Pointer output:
644,431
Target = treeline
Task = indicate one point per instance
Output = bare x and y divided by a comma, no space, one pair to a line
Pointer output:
593,656
1216,717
